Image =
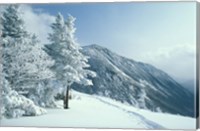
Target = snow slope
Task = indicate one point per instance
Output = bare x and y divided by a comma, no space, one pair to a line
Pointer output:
100,112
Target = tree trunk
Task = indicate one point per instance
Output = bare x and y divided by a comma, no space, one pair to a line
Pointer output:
66,99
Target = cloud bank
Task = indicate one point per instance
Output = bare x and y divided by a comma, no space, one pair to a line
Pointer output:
179,60
37,22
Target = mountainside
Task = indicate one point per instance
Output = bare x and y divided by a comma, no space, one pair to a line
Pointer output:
135,83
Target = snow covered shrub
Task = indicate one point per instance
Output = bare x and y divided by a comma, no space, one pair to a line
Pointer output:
14,105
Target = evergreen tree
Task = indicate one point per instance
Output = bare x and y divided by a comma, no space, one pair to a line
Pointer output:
25,63
12,104
70,64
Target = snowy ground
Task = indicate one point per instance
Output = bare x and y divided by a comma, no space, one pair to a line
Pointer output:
99,112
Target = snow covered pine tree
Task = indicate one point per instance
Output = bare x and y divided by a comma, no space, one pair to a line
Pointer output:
12,104
70,64
24,61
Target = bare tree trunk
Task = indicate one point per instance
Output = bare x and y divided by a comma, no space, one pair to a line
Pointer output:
66,99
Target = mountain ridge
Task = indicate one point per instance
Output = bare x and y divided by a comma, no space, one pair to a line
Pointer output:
139,84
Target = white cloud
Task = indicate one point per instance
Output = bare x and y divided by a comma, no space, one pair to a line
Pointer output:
178,60
173,51
37,22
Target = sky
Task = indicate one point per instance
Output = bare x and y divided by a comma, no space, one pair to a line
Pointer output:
159,33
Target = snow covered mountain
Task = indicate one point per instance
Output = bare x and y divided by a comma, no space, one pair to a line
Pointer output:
135,83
